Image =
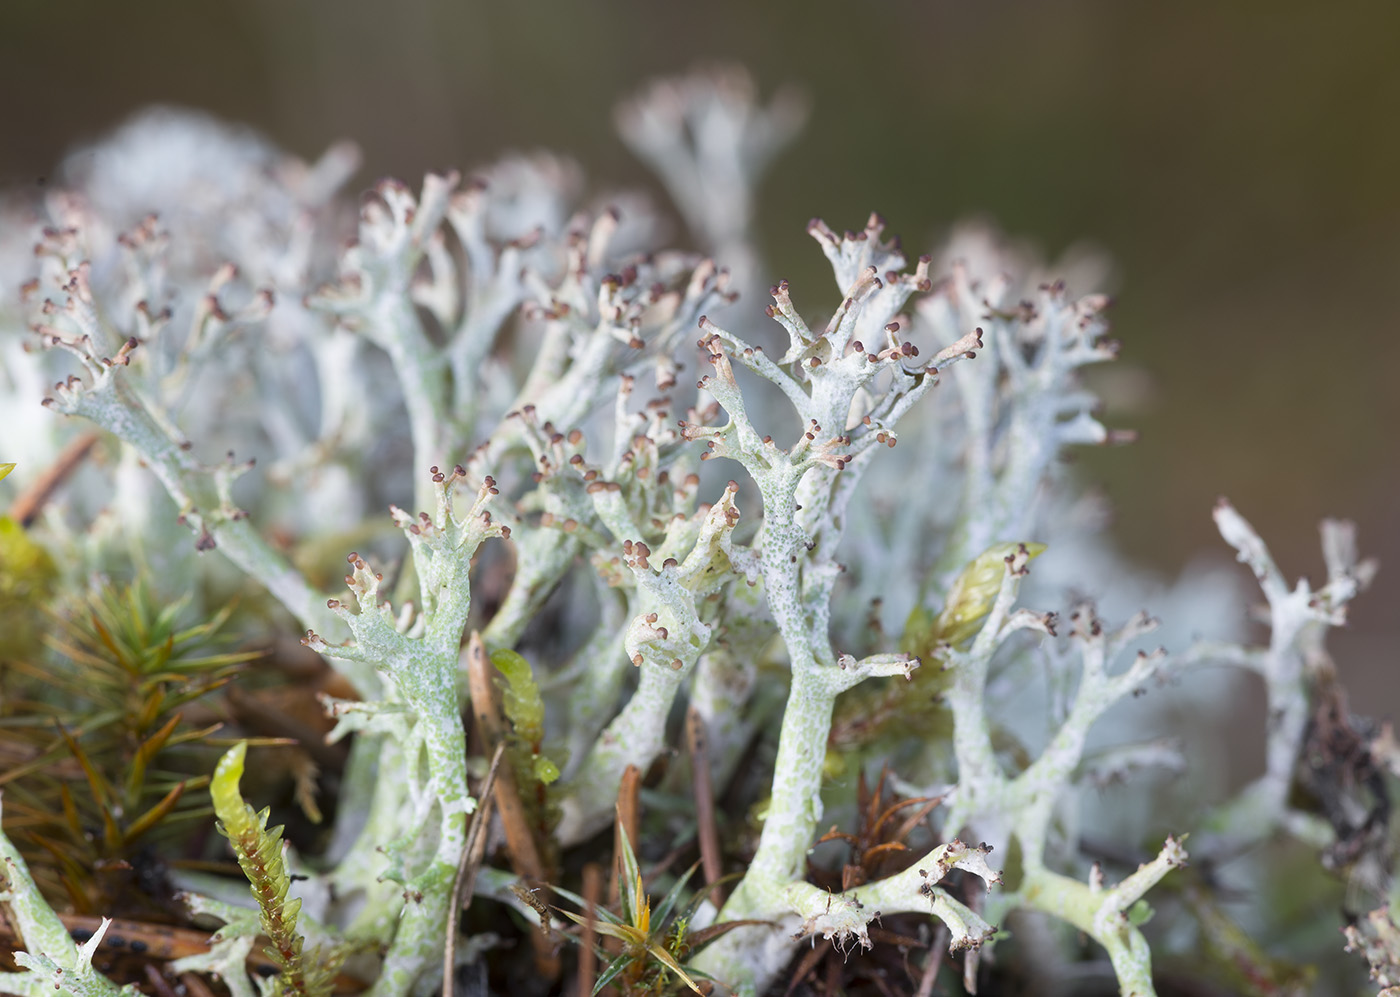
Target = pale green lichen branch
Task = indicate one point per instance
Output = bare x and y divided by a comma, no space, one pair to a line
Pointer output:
709,139
1377,939
979,773
229,947
52,962
990,801
823,380
1299,619
372,296
1107,915
844,918
702,611
106,396
664,640
418,653
1020,402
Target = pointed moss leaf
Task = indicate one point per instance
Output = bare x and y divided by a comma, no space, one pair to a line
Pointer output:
622,932
669,961
629,878
673,895
612,971
603,914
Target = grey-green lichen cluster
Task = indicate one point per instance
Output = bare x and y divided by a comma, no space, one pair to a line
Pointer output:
517,363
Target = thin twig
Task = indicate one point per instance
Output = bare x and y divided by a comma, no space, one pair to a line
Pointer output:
918,817
711,861
473,852
520,840
588,955
834,971
31,501
809,962
196,985
937,947
629,819
158,981
659,868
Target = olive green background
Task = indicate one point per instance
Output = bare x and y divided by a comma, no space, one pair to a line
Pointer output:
1239,162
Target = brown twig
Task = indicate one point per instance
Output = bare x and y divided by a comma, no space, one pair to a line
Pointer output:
520,841
473,852
711,861
629,819
158,981
588,955
810,959
916,818
937,947
834,971
195,985
882,985
31,501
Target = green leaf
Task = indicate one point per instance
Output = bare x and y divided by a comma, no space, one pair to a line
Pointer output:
145,754
521,699
1140,913
632,936
612,971
660,954
629,880
603,913
975,590
101,792
155,815
673,895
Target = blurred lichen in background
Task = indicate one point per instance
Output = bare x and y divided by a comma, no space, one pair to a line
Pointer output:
578,653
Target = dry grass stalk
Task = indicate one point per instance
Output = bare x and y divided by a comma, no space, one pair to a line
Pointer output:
711,861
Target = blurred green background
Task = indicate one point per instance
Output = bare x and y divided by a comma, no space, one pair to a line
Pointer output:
1239,162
